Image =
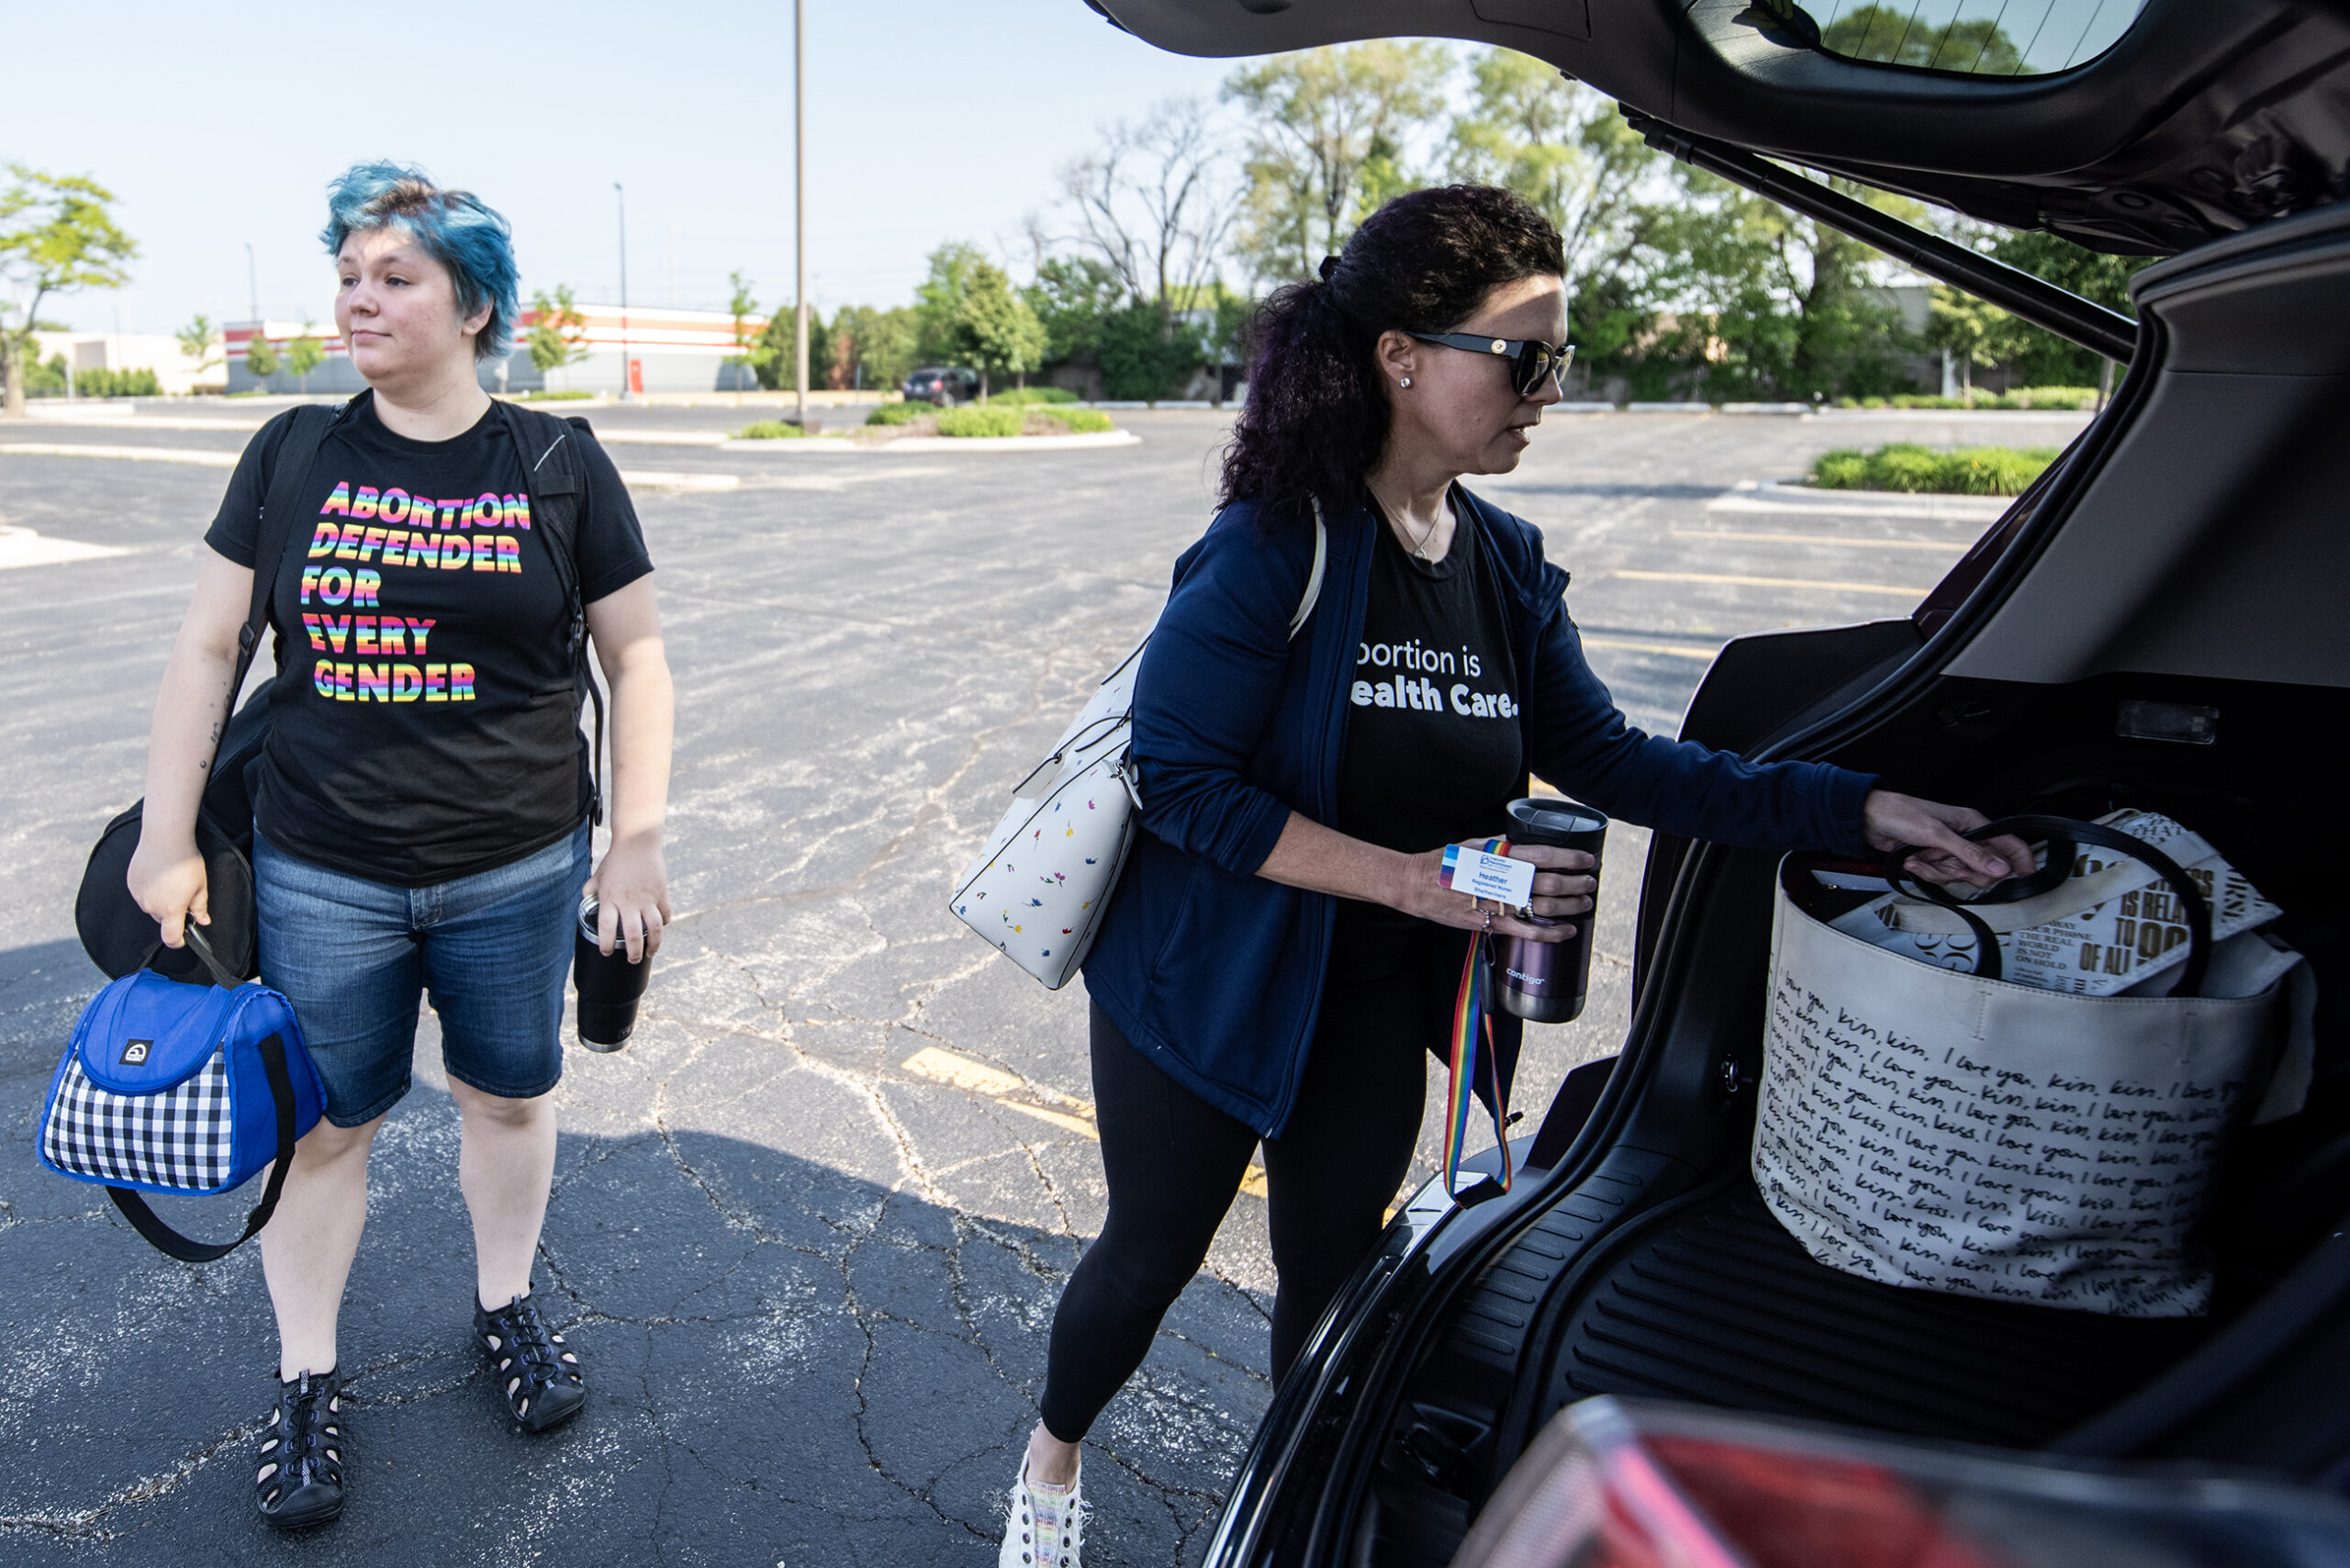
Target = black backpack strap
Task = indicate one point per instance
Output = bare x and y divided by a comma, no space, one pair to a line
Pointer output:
558,481
306,432
187,1249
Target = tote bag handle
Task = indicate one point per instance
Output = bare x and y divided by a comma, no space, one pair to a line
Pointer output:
2063,835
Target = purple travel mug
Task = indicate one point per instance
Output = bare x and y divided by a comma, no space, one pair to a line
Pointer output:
1545,981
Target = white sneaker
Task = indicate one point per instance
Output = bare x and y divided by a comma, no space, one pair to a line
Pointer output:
1045,1526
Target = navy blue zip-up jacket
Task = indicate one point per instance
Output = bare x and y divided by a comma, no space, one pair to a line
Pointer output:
1214,973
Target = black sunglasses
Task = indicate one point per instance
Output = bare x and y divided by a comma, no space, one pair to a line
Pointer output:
1534,360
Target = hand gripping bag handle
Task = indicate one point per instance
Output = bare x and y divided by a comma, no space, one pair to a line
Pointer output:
2063,835
149,1224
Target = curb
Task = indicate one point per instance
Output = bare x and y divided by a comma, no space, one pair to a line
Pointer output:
836,444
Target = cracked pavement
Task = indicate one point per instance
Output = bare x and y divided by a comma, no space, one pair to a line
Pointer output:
809,1227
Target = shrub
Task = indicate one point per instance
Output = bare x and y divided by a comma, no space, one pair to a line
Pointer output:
1906,466
1024,397
1844,469
900,413
2070,398
977,420
1079,422
770,430
118,383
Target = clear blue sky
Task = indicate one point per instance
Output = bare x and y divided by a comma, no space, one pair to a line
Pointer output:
220,125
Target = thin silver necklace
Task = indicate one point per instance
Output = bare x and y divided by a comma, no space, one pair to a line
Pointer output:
1419,545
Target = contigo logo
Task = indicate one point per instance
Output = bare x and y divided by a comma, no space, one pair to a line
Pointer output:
135,1053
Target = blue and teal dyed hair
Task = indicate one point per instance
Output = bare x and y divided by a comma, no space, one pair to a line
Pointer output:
455,227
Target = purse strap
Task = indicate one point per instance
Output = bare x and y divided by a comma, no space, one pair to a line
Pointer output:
306,432
2063,835
187,1249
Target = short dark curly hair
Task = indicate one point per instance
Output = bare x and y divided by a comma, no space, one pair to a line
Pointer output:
1317,417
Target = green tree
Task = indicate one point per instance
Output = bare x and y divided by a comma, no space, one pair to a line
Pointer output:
875,348
261,359
558,334
197,340
1140,356
1072,295
938,300
754,349
305,354
994,331
2039,358
1766,302
1327,129
1966,329
1890,34
775,357
1562,147
57,235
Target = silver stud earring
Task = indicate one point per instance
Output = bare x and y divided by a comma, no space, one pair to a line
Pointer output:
1407,381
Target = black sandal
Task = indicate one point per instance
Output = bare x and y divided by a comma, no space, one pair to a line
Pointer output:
300,1479
537,1373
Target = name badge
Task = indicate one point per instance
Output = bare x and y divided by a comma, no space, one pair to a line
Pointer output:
1484,876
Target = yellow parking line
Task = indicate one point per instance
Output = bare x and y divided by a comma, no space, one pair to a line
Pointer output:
1067,1124
1948,546
977,1077
1737,581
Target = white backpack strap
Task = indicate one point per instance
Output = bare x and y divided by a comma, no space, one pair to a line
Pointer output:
1314,577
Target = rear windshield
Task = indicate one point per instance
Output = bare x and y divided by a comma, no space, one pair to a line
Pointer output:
1978,37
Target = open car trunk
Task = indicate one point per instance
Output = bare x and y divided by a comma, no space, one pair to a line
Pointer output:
2191,552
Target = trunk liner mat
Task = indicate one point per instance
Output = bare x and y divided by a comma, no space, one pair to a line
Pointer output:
1721,1306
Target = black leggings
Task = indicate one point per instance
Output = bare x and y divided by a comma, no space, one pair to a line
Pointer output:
1174,1162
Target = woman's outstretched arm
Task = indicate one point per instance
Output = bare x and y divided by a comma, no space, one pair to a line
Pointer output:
632,882
166,873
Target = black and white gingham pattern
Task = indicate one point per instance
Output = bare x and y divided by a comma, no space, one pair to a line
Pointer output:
179,1138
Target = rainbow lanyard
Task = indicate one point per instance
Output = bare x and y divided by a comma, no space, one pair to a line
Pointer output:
1472,1048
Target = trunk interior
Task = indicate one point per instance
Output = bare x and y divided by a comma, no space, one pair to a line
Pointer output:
2192,553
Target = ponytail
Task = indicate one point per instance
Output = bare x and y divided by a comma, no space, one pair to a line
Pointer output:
1317,417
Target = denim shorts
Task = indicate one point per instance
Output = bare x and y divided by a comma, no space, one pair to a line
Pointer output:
355,958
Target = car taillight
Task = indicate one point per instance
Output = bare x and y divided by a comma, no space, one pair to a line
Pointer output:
1629,1484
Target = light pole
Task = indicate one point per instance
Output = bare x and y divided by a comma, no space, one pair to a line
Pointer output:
628,392
800,193
253,283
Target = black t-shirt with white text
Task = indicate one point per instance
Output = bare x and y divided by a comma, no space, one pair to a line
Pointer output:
1434,754
424,717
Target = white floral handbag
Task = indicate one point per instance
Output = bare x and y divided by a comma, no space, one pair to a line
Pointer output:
1040,883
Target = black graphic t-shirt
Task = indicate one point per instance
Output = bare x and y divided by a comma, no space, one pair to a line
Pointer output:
424,726
1434,754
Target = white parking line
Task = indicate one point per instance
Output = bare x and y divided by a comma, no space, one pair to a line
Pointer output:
1737,581
200,458
1947,546
1641,645
23,547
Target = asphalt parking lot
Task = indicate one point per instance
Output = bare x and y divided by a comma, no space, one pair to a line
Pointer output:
810,1225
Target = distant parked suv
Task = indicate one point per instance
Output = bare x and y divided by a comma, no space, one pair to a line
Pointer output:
942,386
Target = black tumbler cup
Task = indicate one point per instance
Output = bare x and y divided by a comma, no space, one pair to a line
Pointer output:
1546,981
609,986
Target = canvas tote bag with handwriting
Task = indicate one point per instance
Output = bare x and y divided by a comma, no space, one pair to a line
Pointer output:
1952,1132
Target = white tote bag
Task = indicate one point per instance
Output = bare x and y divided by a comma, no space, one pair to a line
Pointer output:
1947,1131
1039,884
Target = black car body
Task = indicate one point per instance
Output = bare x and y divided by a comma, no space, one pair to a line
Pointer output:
942,385
2189,551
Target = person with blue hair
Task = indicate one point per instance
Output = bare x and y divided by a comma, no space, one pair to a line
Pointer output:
423,810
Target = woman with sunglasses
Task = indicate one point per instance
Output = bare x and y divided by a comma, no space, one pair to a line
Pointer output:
1281,953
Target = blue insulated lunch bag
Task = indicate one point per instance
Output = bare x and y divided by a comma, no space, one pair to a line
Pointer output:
169,1087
